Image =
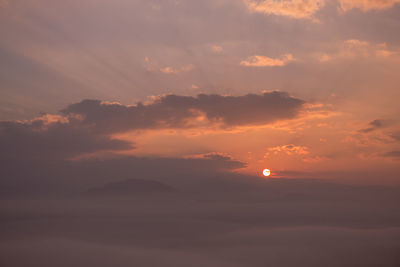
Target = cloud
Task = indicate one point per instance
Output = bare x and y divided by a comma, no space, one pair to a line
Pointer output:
52,139
374,125
290,150
367,5
217,49
324,57
262,61
297,9
301,152
354,48
171,70
383,52
355,43
154,66
173,111
395,136
88,126
392,154
218,156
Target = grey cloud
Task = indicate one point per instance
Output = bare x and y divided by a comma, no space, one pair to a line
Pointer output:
217,156
87,126
56,140
395,136
377,123
175,111
374,125
392,154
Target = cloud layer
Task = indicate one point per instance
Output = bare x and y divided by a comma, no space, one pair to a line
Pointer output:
58,139
173,111
212,220
87,126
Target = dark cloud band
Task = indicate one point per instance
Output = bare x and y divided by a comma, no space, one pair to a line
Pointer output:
177,111
87,126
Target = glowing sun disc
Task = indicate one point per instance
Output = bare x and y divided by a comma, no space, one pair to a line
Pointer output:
266,172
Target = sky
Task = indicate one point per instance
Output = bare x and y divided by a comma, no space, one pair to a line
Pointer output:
340,59
131,129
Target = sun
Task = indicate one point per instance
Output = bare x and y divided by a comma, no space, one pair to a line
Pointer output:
266,172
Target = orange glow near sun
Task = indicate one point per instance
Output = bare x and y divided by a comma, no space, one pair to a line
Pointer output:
266,172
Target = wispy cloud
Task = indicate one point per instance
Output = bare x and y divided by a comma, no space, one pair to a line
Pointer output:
263,61
217,49
367,5
393,154
290,150
374,125
172,70
298,9
154,66
356,43
354,48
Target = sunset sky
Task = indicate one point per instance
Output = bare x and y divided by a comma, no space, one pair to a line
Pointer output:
94,92
339,59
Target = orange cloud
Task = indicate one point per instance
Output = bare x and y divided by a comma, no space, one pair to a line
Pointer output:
382,51
298,9
171,70
217,49
354,48
355,43
262,61
153,66
393,154
367,5
290,150
385,53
